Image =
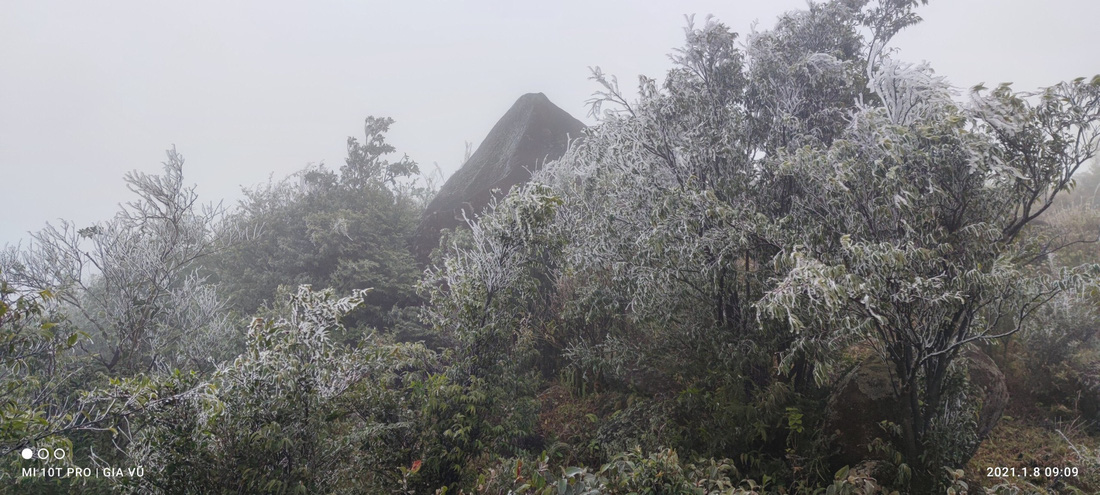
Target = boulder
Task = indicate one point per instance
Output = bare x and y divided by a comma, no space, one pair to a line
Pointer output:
862,400
987,377
865,397
534,131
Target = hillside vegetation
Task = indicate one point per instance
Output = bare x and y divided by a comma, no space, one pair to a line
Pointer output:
795,264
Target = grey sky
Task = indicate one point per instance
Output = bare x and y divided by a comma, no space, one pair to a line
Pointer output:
247,89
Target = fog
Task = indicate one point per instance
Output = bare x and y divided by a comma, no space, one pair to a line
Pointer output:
247,90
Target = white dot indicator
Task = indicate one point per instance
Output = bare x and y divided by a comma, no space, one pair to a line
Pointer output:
27,453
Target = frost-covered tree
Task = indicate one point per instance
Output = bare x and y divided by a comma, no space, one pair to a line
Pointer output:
670,212
130,283
675,195
491,299
911,229
348,230
498,274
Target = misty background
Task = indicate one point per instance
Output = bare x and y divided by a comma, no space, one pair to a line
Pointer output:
247,90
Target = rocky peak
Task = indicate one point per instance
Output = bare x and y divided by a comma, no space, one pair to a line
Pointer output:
532,132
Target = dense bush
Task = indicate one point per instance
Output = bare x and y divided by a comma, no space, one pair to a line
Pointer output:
348,230
295,413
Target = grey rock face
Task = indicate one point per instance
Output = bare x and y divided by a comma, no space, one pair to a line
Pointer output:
533,132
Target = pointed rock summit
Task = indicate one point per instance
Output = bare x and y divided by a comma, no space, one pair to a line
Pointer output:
534,131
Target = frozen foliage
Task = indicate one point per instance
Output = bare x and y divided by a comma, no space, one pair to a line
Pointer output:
130,282
285,350
296,412
914,217
793,200
910,93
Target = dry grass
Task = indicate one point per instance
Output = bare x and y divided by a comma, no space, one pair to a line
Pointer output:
1022,443
1027,437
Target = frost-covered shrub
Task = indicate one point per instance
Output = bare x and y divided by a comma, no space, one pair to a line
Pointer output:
294,413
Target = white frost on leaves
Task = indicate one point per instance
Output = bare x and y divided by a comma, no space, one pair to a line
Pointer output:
910,93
